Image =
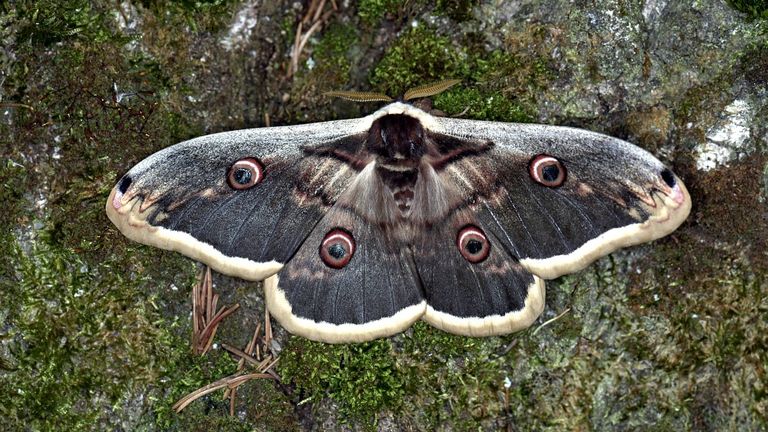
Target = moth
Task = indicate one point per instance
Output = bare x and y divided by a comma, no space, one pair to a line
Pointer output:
360,227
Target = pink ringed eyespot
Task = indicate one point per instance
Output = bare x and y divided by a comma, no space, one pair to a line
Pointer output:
547,170
473,244
245,173
337,248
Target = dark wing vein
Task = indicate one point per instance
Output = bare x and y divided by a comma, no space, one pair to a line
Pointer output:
181,216
478,286
506,234
546,213
522,222
609,210
363,298
592,226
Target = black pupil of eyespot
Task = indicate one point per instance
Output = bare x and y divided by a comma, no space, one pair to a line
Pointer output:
474,246
242,176
668,178
550,173
337,251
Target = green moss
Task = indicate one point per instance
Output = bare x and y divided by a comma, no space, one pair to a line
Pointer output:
14,179
371,11
332,55
458,10
418,56
753,8
362,379
473,103
439,378
499,86
452,380
187,372
80,335
46,22
199,15
265,404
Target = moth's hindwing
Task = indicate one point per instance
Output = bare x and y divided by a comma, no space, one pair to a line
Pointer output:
376,293
473,285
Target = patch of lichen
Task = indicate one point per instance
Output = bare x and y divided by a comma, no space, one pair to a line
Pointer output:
700,104
363,379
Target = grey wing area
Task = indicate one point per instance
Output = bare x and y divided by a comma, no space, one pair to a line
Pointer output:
376,294
614,194
179,198
492,297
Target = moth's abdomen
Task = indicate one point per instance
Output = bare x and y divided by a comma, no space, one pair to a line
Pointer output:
400,184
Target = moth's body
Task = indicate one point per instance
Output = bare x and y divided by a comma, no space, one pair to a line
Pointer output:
399,189
376,222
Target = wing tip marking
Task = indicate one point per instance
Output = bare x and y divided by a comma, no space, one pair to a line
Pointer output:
136,228
670,214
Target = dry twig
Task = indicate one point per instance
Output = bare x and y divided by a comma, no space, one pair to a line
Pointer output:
315,19
229,382
257,354
548,322
205,319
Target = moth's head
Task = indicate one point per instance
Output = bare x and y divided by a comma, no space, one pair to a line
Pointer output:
397,139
